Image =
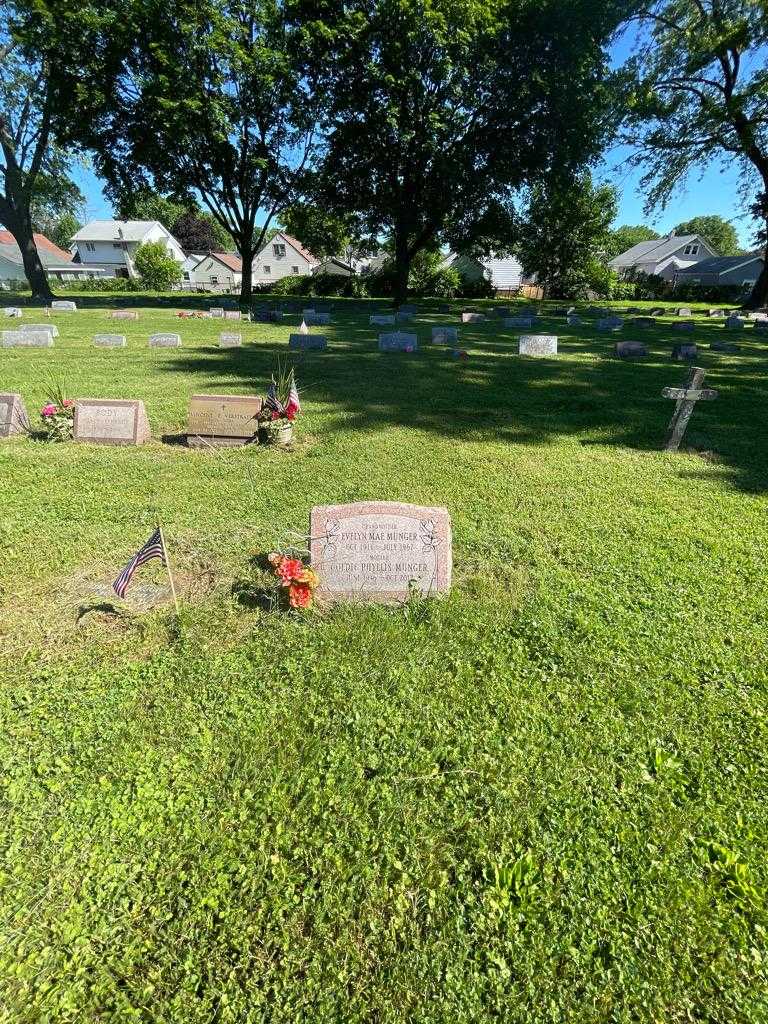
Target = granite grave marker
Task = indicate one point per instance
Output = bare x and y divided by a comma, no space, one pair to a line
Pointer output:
110,421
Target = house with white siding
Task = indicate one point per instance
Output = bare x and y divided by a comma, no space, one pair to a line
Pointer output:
663,257
57,263
501,273
112,244
215,272
282,256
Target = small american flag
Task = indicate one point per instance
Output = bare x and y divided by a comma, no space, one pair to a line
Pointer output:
272,402
292,406
154,548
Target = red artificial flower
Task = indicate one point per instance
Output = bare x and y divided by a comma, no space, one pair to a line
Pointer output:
290,570
300,595
275,414
290,413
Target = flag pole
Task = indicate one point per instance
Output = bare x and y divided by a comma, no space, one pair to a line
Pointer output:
168,565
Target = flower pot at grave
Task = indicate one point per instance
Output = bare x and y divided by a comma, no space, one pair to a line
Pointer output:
271,434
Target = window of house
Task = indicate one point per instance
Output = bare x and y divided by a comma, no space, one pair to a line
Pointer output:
692,250
279,251
294,270
214,279
186,275
267,270
90,247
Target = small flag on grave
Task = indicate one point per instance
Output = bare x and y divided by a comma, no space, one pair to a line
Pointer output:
154,548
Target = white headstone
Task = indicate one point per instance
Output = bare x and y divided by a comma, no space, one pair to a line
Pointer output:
52,329
165,341
444,335
64,306
398,341
229,340
13,311
109,340
27,339
538,345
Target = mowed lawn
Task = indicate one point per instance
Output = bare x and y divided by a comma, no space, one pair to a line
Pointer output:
543,799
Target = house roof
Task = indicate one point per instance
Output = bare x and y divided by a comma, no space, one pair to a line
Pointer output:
116,231
228,259
653,251
6,238
48,257
297,246
338,261
722,264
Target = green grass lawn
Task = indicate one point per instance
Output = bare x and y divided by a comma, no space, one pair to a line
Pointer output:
542,799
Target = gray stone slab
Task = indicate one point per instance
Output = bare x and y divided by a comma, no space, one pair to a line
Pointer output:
684,325
228,339
380,551
398,341
308,342
445,335
13,311
124,314
473,318
519,321
609,324
27,339
630,350
165,341
735,323
685,352
538,345
381,319
109,340
64,306
51,328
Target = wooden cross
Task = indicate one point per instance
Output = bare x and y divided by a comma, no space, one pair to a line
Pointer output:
686,398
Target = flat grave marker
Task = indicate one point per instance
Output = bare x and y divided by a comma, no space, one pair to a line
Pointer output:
165,341
473,318
228,339
630,350
684,325
63,306
13,415
685,398
231,314
124,314
223,421
380,551
27,339
735,323
609,323
217,312
537,345
398,341
317,319
518,321
110,421
109,340
684,311
307,342
381,319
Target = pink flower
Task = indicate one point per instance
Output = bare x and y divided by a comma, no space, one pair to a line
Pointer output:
49,410
68,403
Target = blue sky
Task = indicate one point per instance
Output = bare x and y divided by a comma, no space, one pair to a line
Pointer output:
713,191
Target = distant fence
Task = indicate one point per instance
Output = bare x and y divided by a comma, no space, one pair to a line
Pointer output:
528,291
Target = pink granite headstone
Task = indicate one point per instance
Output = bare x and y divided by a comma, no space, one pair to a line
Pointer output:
380,551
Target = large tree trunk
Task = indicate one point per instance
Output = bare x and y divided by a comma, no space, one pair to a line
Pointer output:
246,283
20,226
759,296
402,267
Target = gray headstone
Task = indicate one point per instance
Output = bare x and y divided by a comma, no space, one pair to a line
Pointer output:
217,312
307,341
233,314
630,349
684,311
51,328
537,345
518,321
64,306
27,339
125,314
684,325
398,341
381,319
724,346
473,318
110,421
316,319
380,551
682,353
444,335
719,313
13,311
644,321
165,341
735,323
13,415
610,323
229,340
109,340
657,311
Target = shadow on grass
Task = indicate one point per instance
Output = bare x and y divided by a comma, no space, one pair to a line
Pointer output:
497,396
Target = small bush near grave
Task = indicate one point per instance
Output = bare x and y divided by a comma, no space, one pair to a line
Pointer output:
157,269
106,284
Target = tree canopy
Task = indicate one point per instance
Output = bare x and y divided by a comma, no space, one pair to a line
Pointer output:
439,113
232,118
564,235
624,237
696,91
717,230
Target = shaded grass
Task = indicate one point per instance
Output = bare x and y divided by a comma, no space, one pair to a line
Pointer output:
540,800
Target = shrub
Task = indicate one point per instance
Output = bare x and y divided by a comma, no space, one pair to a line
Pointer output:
157,269
710,292
101,284
479,288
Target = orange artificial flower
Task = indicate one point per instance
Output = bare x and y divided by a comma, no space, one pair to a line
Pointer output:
290,570
300,595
